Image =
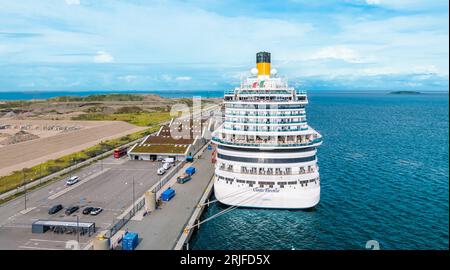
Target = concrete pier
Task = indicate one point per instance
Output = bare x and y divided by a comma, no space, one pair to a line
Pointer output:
164,227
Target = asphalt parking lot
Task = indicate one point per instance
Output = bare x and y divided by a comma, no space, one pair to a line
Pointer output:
108,185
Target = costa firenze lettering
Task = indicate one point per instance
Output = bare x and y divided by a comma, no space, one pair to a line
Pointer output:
269,190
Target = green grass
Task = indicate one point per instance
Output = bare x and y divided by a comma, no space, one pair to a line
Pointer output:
105,97
138,119
18,178
15,104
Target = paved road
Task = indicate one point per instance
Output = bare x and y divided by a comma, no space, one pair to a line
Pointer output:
161,229
30,153
111,189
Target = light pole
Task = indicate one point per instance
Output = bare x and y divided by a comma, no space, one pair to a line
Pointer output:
25,189
133,195
78,230
133,183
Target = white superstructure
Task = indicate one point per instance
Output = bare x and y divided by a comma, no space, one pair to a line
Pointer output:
266,152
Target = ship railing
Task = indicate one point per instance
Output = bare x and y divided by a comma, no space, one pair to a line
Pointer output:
267,144
245,122
266,130
266,115
257,172
263,100
278,107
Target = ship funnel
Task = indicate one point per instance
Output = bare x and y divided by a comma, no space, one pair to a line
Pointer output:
263,63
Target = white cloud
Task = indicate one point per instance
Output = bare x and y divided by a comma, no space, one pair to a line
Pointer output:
103,57
373,2
73,2
183,78
337,52
428,69
128,78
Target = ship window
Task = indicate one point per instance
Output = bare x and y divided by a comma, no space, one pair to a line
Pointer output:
292,182
263,183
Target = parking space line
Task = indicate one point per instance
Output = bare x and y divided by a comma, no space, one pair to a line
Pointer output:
40,248
54,196
53,241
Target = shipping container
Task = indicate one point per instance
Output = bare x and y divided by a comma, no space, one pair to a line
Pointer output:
130,241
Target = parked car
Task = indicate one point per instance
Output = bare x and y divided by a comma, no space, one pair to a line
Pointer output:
167,166
72,180
161,171
55,209
87,210
169,160
96,210
71,210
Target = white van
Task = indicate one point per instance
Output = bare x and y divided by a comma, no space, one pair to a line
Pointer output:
167,166
72,180
161,171
169,160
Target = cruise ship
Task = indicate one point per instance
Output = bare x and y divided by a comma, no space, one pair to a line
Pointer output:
265,149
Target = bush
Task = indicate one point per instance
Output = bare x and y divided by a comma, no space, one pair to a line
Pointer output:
131,109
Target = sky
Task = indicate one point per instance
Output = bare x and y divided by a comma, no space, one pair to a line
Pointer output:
81,45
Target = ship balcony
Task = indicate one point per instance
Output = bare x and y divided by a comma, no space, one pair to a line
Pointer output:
267,129
258,107
270,143
267,171
262,90
276,122
265,99
255,115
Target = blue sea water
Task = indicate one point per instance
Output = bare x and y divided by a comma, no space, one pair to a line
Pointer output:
384,176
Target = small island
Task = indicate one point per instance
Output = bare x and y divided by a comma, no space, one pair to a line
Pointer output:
404,93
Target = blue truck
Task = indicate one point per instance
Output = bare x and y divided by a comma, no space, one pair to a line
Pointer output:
168,194
190,170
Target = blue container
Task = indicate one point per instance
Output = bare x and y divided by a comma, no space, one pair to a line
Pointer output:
189,159
190,170
130,241
168,194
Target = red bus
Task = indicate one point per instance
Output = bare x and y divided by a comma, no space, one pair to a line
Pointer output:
119,152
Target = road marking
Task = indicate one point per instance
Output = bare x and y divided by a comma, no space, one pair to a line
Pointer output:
54,196
25,211
52,241
25,247
147,170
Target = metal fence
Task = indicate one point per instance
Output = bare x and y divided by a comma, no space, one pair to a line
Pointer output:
114,228
168,176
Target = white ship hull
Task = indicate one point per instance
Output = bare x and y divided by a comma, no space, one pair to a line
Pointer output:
255,197
266,155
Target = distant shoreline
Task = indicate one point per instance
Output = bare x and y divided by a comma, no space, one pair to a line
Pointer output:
405,93
44,95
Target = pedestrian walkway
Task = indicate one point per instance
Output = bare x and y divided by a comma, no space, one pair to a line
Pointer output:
161,228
